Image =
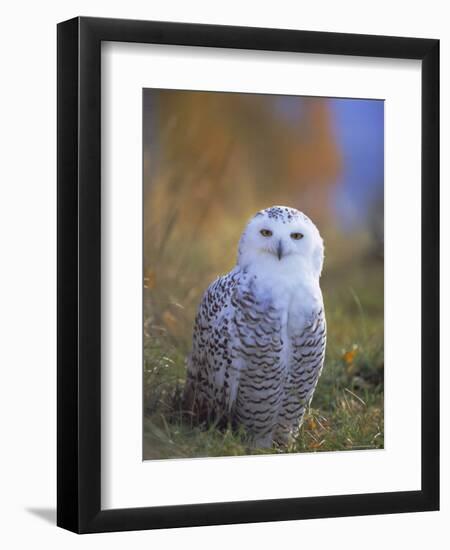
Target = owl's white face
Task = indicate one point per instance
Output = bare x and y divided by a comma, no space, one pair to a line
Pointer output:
281,239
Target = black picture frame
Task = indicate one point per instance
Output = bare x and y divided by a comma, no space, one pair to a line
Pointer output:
79,280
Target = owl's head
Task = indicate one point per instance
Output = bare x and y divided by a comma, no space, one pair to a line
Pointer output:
282,238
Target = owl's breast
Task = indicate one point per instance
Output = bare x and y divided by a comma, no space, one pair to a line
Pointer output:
294,299
270,312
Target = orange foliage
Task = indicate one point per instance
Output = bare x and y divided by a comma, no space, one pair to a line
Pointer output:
227,154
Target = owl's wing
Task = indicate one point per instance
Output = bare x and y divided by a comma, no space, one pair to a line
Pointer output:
307,358
211,372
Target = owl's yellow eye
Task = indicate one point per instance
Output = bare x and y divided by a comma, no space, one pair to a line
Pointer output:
266,232
296,236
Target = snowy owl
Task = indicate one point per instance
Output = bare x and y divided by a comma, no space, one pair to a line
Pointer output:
259,335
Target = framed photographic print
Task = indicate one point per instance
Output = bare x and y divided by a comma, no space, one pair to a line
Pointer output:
248,292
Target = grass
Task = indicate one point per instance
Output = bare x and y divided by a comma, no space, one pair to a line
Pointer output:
347,409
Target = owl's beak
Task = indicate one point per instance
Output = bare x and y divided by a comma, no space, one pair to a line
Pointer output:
280,250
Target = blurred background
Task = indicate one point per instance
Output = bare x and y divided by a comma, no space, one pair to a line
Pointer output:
212,160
